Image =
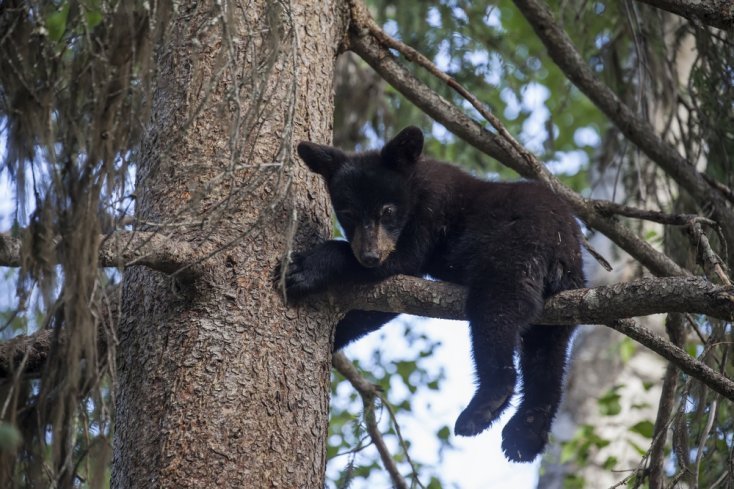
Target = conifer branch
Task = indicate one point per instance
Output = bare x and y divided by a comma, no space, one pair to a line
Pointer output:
716,13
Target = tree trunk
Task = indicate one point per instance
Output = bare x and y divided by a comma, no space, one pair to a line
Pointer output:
220,385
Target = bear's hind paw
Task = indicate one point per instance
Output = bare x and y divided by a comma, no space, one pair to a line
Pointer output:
479,415
525,436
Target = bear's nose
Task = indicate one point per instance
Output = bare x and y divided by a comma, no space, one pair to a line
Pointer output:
370,259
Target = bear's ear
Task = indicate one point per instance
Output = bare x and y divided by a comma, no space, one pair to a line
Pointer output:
404,149
321,159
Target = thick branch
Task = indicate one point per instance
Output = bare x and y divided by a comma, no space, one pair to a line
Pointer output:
30,351
368,47
599,305
564,53
121,249
716,13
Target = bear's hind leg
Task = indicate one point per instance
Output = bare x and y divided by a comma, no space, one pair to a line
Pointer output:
496,316
543,356
357,324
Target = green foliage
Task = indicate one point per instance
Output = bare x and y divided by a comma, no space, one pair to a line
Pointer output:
609,403
643,428
10,438
627,349
56,22
574,481
579,448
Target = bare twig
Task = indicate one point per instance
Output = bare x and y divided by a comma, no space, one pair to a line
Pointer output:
725,191
597,256
702,442
369,392
399,434
711,262
676,334
608,208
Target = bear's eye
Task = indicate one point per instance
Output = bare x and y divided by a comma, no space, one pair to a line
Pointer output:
388,211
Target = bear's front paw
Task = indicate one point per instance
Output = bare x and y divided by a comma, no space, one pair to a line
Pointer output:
302,277
526,434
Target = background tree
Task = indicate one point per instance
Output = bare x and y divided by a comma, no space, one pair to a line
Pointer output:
206,377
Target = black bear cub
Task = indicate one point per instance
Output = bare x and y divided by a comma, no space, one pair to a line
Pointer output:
511,244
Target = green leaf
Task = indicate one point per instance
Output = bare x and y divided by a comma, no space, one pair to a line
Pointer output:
609,404
568,452
627,349
93,18
644,428
434,483
610,463
56,23
573,481
10,438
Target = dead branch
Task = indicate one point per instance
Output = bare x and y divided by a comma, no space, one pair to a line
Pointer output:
120,249
609,208
676,333
720,187
712,264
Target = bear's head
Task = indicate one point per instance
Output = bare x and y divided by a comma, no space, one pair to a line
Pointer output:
371,191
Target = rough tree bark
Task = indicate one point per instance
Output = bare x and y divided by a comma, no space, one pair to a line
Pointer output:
219,384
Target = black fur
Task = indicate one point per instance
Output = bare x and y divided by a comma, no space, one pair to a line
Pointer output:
512,244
